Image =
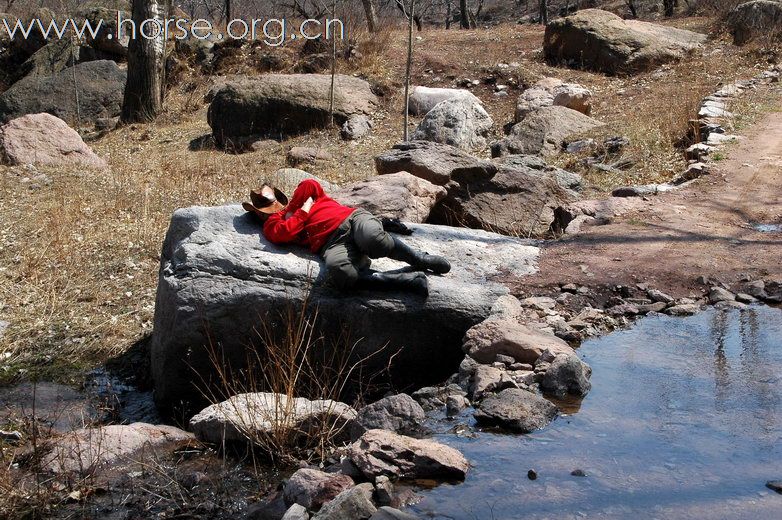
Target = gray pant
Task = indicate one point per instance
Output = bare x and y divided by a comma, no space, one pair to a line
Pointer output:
361,235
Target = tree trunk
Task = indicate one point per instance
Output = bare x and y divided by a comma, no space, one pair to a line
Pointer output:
369,12
144,89
228,12
408,67
464,16
543,12
633,9
447,14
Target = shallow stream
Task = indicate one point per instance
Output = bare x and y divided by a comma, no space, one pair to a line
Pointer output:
684,420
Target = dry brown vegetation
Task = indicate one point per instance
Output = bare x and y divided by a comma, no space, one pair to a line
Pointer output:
79,256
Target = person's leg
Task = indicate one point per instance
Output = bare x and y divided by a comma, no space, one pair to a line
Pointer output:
341,272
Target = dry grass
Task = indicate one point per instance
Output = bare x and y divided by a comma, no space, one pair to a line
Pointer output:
79,257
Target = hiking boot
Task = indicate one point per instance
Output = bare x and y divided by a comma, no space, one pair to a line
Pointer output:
419,260
406,282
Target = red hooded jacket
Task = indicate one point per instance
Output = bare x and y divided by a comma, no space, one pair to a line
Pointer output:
311,229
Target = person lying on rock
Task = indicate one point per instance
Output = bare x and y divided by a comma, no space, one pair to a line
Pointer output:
347,238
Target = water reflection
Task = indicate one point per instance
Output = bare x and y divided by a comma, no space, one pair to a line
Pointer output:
683,421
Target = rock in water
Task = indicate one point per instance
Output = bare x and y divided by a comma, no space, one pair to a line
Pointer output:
397,413
389,513
751,20
424,99
604,42
354,504
515,409
397,195
458,122
486,340
43,139
379,452
567,374
296,512
248,417
97,85
219,276
287,104
543,132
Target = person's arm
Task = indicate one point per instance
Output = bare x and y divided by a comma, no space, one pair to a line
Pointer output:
280,230
306,189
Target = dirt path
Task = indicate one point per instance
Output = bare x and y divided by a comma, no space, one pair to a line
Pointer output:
704,229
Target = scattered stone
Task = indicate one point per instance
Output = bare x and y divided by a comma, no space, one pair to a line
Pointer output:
718,294
396,195
457,122
286,179
698,151
356,127
398,413
683,309
582,145
578,473
454,404
757,289
517,410
379,452
384,490
98,86
505,360
354,503
745,298
486,379
42,139
10,437
434,398
567,374
287,104
274,509
88,450
532,474
424,99
311,488
485,341
775,485
250,416
659,296
603,41
299,155
652,307
296,512
543,132
435,162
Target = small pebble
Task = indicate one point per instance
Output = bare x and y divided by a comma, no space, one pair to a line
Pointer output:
578,473
532,474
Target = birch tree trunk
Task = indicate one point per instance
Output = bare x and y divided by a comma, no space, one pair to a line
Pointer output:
144,90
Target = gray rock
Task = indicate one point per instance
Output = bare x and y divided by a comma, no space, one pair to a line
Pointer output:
485,341
436,397
458,122
217,269
755,19
603,41
745,298
535,165
397,195
389,513
718,294
50,59
398,413
487,379
683,309
285,104
296,512
248,417
775,485
424,99
105,39
659,296
455,404
299,155
311,488
98,86
543,132
517,410
354,503
356,127
567,374
435,162
384,490
757,289
274,509
380,452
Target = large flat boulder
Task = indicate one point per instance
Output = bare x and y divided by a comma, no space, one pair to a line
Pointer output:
287,104
77,95
219,277
423,99
458,122
43,139
604,42
437,163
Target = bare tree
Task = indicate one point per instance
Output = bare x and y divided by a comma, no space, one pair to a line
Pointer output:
228,11
144,89
543,11
408,66
632,7
464,15
669,6
371,15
